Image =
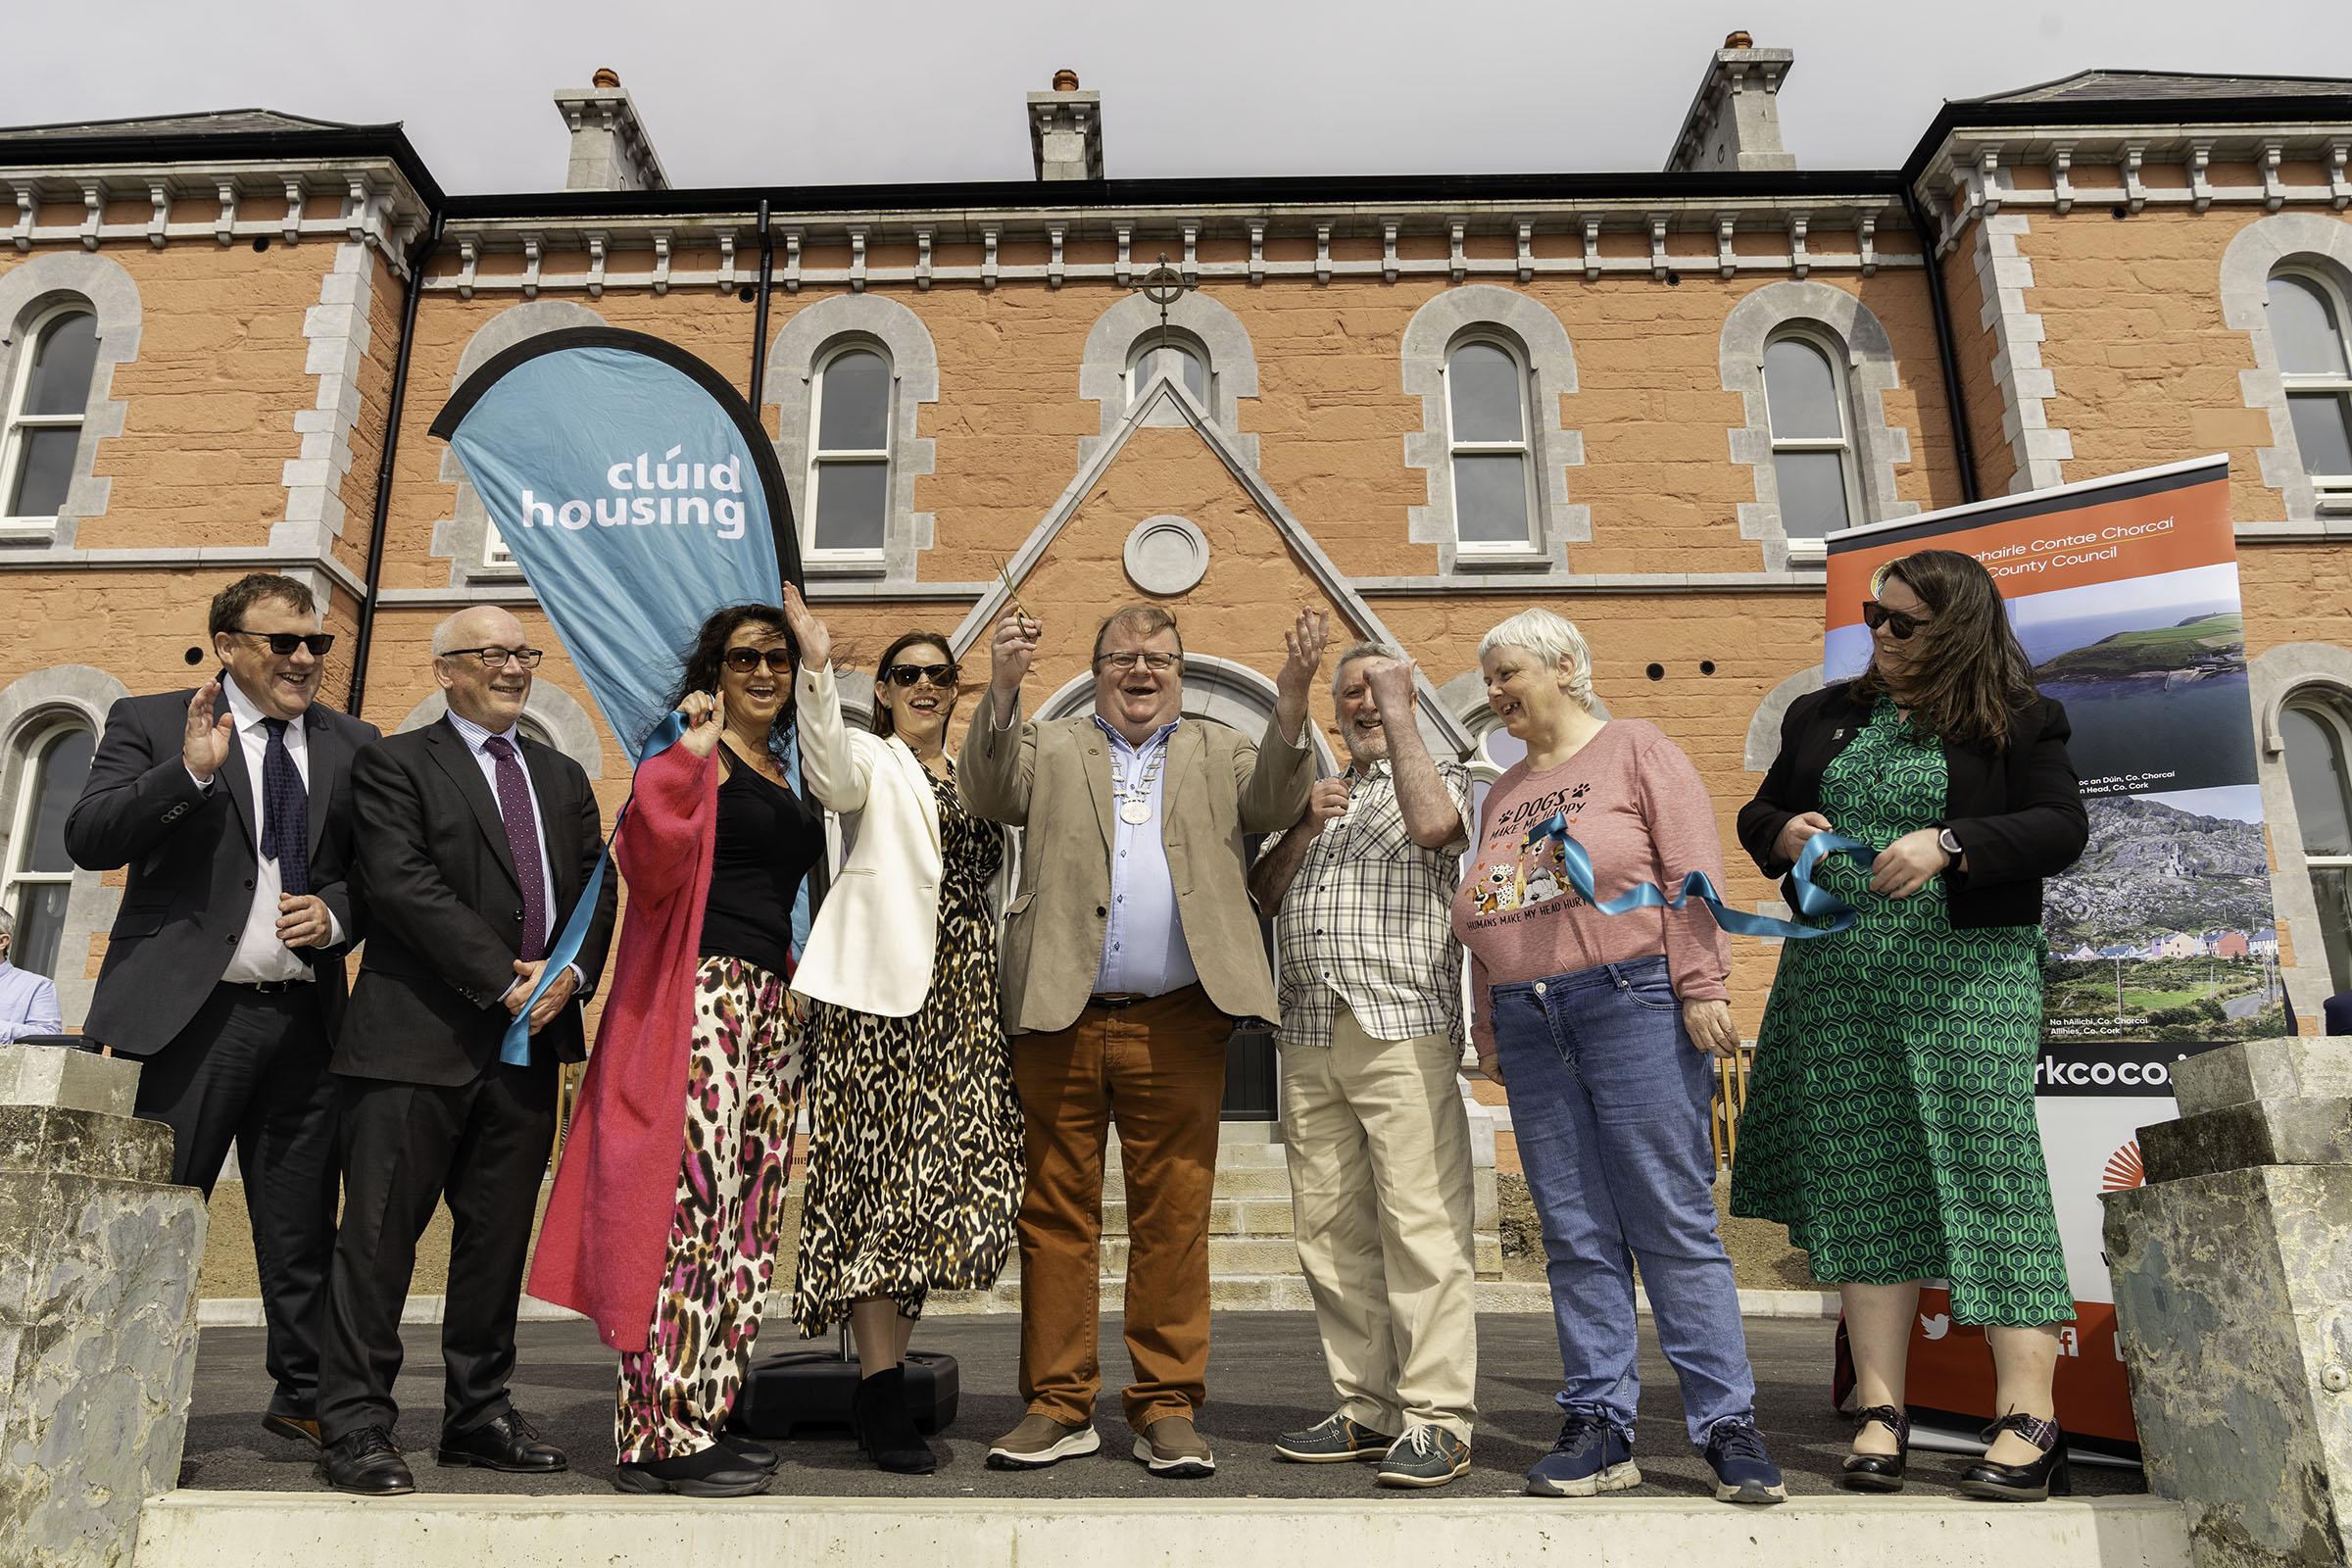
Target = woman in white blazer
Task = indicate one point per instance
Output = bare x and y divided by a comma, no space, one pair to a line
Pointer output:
915,1140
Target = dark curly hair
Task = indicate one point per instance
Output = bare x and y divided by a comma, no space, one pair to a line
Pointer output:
1970,672
703,659
883,722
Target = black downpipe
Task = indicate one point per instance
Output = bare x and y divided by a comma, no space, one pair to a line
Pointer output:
768,272
383,468
1964,447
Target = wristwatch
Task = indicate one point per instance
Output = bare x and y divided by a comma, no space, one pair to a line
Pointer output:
1947,843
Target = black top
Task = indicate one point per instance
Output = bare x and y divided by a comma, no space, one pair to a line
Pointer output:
768,839
2015,809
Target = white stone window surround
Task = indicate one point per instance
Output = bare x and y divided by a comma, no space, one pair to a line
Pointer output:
2334,490
1188,349
812,556
21,422
39,754
810,336
2310,245
1492,312
1130,329
33,708
1862,357
31,295
1527,546
2306,676
467,537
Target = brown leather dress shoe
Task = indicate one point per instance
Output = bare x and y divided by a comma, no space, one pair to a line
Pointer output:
293,1427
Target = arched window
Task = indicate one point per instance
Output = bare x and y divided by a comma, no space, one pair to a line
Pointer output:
2318,741
38,874
1492,460
1812,445
45,409
2308,322
1178,356
849,455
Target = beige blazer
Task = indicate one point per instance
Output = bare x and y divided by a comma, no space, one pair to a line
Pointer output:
876,934
1054,780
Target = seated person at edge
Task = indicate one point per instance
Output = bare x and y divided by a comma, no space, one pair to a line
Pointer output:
1604,1030
1890,1123
669,1204
914,1131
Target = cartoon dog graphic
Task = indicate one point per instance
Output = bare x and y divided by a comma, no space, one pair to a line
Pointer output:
1542,884
1497,888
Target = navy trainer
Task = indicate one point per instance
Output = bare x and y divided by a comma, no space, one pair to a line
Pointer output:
1588,1458
1744,1471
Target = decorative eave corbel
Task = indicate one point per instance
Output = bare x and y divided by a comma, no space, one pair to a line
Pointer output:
2274,187
2061,184
1124,266
596,264
794,238
1527,251
989,233
1866,233
93,212
25,205
1799,261
1323,250
1657,245
2135,194
1457,262
297,194
2200,185
531,257
858,258
1191,251
470,261
1388,250
922,256
2339,175
158,216
1591,250
1727,262
356,213
1257,250
1056,236
726,261
661,238
225,227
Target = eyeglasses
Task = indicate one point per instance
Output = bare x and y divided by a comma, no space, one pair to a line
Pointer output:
497,658
743,661
1875,614
1156,664
284,643
942,676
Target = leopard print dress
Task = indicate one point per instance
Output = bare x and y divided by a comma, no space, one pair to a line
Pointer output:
914,1129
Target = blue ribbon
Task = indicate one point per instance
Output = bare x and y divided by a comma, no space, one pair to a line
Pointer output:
1810,899
515,1048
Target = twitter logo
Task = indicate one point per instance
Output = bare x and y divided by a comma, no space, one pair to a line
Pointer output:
1936,1327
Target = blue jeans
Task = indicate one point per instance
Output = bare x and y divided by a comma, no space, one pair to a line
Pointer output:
1609,1102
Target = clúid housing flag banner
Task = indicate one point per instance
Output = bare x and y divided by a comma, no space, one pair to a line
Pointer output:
2160,939
633,485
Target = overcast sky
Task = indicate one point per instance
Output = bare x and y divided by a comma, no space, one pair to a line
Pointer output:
827,93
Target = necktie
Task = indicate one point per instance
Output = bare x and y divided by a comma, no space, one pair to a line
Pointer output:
522,842
286,814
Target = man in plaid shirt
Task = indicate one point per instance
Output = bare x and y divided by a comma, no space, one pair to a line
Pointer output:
1361,890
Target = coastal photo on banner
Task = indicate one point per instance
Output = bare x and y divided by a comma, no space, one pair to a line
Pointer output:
2162,942
633,485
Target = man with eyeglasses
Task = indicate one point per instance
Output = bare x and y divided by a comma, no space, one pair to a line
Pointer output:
479,843
231,805
1130,949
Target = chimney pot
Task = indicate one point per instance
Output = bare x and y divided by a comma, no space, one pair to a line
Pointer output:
1740,41
1065,81
605,76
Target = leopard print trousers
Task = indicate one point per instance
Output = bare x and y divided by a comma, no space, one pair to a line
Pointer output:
741,1093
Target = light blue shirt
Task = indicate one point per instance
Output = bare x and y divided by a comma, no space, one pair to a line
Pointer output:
473,735
27,1004
1144,951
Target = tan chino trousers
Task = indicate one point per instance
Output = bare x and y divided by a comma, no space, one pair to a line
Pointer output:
1381,1195
1156,1069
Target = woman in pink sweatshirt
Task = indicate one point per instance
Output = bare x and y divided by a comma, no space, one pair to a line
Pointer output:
1603,1029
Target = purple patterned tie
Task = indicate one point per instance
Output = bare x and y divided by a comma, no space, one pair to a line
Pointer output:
522,841
286,814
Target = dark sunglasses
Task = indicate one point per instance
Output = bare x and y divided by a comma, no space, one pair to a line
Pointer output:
1875,614
284,643
942,676
743,661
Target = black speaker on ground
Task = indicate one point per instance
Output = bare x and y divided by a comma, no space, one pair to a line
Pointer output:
783,1395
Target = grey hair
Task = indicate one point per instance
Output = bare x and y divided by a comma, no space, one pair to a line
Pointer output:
1553,638
8,921
1362,650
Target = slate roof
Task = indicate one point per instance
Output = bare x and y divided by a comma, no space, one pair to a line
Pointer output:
2163,87
218,122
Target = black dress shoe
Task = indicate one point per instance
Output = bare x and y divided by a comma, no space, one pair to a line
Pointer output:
2023,1482
716,1472
506,1441
759,1455
293,1427
366,1464
1878,1472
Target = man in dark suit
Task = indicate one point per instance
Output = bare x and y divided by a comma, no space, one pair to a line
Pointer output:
232,806
478,844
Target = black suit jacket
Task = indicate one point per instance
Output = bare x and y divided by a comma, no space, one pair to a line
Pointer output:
191,863
445,908
2015,809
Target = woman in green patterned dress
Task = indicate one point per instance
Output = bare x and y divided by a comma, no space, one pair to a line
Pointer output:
1890,1122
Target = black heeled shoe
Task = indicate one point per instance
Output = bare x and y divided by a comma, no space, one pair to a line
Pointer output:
885,1426
2043,1478
1878,1472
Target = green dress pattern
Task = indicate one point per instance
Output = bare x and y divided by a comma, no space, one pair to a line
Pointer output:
1890,1120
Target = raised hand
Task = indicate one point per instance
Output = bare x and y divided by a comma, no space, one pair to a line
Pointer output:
705,717
816,643
207,740
1008,658
1303,649
1391,685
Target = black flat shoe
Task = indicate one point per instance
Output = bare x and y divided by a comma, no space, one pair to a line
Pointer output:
759,1455
506,1441
716,1472
885,1428
2041,1479
365,1464
1878,1472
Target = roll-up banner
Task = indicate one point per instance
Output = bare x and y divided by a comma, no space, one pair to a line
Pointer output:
633,485
2161,941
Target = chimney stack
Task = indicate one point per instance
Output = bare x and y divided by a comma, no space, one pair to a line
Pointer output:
1065,130
610,148
1735,121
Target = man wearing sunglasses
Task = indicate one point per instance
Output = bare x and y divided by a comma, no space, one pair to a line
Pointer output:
231,805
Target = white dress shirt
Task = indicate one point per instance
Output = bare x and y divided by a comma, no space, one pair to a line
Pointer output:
473,735
260,955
